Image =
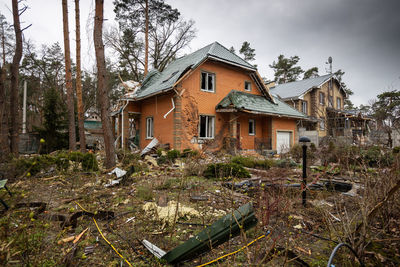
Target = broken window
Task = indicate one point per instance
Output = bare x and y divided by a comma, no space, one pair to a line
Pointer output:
206,126
330,101
149,128
338,103
252,127
247,86
322,124
322,98
304,107
207,81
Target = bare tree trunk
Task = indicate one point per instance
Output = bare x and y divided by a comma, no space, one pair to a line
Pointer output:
146,45
4,145
14,106
81,125
102,85
68,80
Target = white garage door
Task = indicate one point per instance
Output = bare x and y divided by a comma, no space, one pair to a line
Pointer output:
283,141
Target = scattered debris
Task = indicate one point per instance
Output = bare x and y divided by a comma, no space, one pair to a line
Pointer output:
149,147
219,232
151,161
167,214
118,172
78,237
66,240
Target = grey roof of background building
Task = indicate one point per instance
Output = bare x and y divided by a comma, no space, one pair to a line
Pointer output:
157,82
255,103
296,89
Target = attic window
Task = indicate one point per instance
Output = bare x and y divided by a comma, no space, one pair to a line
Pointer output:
172,75
207,81
247,86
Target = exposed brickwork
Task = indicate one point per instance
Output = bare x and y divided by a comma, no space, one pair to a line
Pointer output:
180,128
178,123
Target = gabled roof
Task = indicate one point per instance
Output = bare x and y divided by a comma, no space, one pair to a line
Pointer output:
243,101
294,90
156,82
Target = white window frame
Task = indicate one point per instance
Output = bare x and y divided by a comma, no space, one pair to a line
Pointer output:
338,103
252,130
304,107
322,98
149,128
208,74
322,124
247,88
209,132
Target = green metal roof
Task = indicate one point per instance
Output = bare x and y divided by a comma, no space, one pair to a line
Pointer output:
258,104
157,82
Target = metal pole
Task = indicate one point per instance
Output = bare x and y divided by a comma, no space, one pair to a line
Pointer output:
304,194
24,110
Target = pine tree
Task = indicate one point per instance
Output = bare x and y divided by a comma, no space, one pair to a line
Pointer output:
248,52
311,73
285,69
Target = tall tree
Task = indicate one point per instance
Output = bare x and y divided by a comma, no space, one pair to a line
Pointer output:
102,84
386,111
14,106
7,45
285,69
146,38
248,52
68,79
167,34
82,140
311,73
347,102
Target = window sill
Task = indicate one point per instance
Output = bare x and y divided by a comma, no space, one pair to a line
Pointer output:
149,138
208,91
252,134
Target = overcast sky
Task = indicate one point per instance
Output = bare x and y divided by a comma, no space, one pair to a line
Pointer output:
362,36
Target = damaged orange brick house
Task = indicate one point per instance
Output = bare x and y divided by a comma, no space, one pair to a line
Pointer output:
210,99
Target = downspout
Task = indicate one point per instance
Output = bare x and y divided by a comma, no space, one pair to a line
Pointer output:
122,123
173,107
173,103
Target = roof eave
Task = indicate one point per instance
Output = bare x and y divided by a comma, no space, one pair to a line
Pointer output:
231,63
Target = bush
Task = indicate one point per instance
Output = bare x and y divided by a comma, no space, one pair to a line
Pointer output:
223,170
252,163
162,160
33,165
89,162
173,154
144,193
396,150
159,151
188,153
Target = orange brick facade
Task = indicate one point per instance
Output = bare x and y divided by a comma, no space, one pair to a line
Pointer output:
181,127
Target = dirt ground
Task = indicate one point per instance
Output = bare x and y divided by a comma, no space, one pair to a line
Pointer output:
45,217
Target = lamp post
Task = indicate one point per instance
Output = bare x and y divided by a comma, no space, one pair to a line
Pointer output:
304,140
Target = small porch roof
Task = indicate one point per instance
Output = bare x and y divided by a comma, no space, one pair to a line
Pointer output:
256,104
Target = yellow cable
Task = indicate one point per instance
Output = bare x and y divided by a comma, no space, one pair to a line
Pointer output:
105,239
240,249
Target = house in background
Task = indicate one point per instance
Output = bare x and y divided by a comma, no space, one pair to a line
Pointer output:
322,99
210,99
